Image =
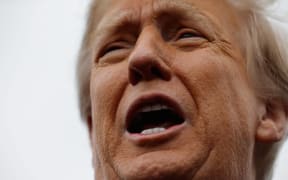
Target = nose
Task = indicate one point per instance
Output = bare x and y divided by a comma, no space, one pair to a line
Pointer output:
147,60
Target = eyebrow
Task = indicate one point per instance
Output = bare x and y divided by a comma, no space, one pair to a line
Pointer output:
180,9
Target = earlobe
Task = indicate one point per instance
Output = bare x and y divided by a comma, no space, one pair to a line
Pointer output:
273,123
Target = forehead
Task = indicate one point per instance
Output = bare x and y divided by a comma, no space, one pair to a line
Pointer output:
217,16
141,9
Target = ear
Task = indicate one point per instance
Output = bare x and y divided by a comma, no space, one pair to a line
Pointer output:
273,122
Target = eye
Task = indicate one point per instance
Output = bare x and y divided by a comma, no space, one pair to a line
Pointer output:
113,47
113,52
186,33
188,39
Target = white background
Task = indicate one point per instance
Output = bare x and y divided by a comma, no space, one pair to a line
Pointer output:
41,135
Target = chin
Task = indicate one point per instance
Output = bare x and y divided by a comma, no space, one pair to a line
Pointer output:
156,165
163,163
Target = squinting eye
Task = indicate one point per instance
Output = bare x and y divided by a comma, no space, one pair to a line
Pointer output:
112,48
113,52
188,39
116,47
186,34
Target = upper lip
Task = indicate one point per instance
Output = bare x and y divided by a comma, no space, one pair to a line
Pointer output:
151,99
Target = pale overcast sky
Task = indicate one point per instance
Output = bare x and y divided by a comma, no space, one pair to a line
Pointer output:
41,136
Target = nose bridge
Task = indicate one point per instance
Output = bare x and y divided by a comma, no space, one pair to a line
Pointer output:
146,44
146,61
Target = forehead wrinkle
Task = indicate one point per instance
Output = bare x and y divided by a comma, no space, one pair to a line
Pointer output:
188,12
167,5
116,20
182,9
111,23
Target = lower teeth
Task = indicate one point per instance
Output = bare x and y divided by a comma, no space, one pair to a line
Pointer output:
152,131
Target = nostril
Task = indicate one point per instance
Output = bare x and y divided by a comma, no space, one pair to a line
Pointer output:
156,72
161,72
147,68
135,76
151,72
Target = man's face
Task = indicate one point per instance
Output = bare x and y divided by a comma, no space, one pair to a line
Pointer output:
169,91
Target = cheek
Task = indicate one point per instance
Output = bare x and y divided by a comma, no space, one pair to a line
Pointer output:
221,94
107,86
203,74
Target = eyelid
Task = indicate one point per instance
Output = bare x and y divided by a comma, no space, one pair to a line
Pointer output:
187,30
114,46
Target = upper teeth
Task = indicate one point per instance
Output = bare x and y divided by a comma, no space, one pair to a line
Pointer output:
152,131
155,107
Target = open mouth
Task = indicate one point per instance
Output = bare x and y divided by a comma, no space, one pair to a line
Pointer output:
152,118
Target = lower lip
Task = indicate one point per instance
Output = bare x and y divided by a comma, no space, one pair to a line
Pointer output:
168,134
